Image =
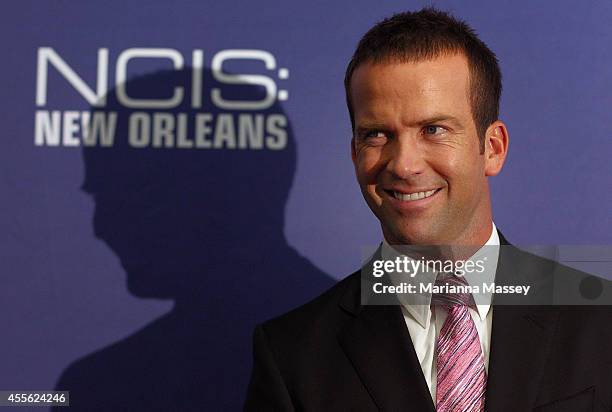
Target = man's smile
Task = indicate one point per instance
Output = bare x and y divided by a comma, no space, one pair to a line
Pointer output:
411,196
411,200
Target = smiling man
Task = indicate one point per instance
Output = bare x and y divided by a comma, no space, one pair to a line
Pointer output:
417,151
423,97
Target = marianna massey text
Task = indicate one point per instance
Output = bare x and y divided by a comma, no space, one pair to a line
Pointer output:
423,288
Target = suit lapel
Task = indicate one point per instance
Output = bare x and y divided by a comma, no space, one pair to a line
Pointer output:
521,338
520,343
380,349
378,345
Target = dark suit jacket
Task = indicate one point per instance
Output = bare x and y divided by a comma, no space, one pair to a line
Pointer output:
335,354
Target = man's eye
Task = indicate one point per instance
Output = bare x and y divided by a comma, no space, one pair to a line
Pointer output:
434,129
373,134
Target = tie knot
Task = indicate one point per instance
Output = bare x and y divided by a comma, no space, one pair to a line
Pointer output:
451,290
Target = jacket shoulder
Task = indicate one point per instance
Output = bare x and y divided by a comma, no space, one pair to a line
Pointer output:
320,316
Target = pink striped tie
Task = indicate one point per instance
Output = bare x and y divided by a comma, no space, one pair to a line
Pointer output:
461,376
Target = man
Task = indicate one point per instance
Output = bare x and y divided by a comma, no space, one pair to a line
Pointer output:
423,95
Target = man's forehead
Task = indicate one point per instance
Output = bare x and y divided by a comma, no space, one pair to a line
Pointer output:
429,73
422,86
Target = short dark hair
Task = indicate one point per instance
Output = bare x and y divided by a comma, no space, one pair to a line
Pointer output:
427,34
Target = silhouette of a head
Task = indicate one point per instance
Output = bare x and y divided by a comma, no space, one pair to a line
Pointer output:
174,214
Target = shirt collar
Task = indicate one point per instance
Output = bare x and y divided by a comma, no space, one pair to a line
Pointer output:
418,306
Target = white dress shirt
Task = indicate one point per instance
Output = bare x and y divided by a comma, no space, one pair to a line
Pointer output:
424,322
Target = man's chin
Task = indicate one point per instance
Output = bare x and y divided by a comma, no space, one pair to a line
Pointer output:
417,235
145,286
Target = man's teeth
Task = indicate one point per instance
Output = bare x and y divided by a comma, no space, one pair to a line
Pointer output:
413,196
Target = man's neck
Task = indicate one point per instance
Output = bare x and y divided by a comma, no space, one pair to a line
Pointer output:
452,251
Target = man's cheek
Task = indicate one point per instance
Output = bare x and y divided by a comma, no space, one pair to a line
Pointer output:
368,170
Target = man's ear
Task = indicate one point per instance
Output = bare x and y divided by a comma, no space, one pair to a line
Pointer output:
353,153
496,147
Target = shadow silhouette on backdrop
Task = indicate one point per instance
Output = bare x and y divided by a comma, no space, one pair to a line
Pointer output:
203,227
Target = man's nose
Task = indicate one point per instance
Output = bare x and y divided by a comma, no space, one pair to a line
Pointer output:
405,157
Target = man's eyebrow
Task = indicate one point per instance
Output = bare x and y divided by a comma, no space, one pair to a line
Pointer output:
370,126
437,119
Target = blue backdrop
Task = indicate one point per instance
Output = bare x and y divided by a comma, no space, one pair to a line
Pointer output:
137,254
